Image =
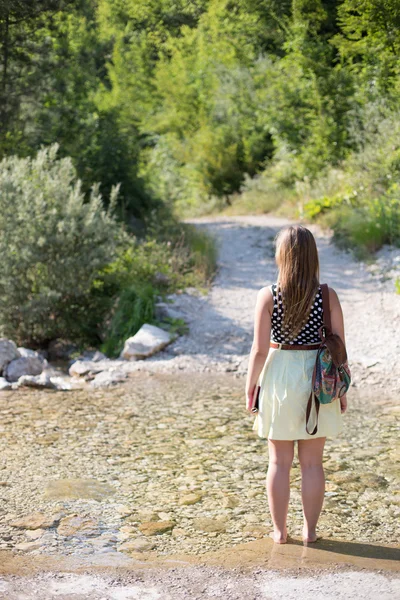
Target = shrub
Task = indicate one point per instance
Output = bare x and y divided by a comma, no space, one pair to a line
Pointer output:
53,245
366,228
135,306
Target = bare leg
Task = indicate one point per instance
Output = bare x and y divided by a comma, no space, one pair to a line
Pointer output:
278,485
312,484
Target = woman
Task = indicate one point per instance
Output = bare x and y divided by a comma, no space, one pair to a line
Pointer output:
290,312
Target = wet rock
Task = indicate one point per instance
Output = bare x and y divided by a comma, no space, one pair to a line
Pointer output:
36,521
147,341
373,480
34,534
77,488
156,527
207,524
29,546
180,532
137,545
75,525
231,501
344,477
189,499
124,511
8,352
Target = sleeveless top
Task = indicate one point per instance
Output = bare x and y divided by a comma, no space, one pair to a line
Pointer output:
309,333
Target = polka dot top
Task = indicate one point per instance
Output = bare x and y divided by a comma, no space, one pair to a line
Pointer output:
309,333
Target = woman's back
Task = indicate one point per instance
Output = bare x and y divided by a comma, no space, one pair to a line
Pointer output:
308,333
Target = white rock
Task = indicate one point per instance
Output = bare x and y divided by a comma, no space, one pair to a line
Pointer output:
24,365
61,384
80,368
108,378
147,341
36,381
8,351
27,352
4,384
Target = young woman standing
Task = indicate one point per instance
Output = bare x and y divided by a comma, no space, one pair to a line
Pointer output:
288,314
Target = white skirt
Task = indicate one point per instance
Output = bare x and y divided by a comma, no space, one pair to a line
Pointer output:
285,388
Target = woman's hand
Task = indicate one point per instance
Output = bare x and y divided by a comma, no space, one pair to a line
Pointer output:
249,398
343,404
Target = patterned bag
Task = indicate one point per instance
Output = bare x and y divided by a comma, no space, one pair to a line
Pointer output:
331,376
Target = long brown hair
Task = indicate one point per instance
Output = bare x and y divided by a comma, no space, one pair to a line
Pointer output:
296,256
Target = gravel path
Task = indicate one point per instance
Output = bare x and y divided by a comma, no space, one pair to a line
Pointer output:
221,323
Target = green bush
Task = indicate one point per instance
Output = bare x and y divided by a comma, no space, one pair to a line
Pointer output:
366,228
54,244
135,306
173,256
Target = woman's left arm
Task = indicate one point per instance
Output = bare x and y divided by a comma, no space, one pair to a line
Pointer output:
260,347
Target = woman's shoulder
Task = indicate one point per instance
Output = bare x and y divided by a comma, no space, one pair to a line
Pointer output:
266,291
265,297
333,297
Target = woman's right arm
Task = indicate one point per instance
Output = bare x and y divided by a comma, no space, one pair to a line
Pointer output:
337,323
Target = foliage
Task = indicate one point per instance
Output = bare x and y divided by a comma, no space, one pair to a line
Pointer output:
134,307
192,107
53,245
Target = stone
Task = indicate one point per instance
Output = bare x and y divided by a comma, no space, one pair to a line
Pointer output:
208,524
124,511
230,501
156,527
147,341
80,368
24,365
77,526
29,546
34,534
28,353
36,521
179,532
256,529
108,378
74,489
137,545
373,480
189,499
8,352
60,384
4,384
36,381
343,477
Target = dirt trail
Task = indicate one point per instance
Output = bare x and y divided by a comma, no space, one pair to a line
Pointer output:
221,323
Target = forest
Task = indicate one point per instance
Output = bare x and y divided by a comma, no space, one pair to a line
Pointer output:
128,115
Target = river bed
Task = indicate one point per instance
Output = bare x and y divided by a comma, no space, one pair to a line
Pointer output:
166,464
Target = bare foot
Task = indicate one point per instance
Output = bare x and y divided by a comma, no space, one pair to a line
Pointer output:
279,538
309,536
